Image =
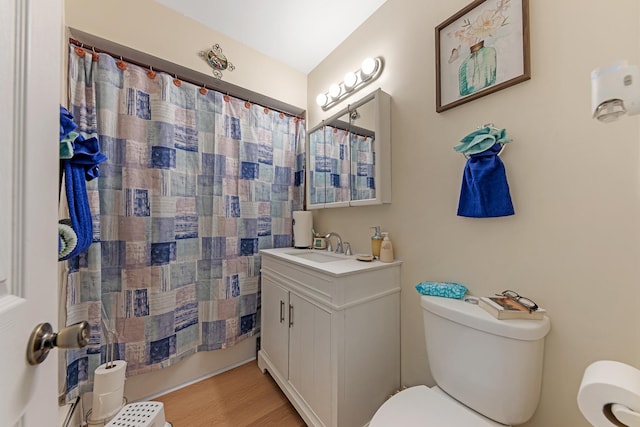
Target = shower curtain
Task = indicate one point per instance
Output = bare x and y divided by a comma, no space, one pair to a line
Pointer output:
195,184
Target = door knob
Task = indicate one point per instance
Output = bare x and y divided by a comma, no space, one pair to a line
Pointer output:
44,339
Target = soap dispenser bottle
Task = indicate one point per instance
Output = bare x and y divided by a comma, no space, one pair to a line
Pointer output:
386,249
376,242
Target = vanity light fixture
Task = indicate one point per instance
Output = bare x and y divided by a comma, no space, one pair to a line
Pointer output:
353,81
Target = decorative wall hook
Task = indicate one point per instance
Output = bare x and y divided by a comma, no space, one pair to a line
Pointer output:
217,60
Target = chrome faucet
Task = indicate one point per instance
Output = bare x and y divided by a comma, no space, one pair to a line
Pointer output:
338,246
347,248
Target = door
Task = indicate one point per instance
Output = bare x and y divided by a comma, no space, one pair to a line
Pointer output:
30,83
275,325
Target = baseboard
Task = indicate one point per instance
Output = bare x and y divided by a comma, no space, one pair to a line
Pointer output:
197,380
69,414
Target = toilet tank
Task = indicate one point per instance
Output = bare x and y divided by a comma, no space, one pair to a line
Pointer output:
492,366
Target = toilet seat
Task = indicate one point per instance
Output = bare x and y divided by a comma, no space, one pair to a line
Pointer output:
422,406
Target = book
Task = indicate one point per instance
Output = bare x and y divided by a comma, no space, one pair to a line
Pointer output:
505,308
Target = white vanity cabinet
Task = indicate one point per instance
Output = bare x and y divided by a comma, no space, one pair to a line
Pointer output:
330,334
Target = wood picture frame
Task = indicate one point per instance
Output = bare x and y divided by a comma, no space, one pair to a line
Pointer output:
481,49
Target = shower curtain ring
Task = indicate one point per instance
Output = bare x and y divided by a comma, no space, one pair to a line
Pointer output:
121,64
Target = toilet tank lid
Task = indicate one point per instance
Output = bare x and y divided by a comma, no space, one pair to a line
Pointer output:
468,313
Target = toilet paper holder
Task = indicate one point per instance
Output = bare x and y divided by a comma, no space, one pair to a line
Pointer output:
624,415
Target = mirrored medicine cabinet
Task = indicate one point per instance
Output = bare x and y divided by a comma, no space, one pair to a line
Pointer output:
349,161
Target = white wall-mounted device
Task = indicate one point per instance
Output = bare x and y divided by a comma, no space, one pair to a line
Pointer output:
615,91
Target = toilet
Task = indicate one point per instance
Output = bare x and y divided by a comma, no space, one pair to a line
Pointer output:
488,371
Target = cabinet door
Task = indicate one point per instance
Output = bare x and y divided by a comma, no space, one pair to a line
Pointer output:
310,355
349,156
275,325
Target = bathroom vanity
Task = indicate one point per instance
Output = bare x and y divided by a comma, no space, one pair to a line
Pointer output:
330,334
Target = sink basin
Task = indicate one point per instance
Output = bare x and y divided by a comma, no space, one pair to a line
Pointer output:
319,256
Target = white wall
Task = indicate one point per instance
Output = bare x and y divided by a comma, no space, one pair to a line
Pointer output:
148,27
574,243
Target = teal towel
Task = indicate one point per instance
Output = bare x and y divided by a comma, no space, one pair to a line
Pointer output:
66,145
481,140
442,289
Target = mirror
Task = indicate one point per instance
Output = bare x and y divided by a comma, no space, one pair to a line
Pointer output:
349,162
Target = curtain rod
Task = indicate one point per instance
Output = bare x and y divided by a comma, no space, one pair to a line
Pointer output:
83,45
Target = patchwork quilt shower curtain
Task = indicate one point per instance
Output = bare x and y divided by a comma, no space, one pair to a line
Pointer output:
196,183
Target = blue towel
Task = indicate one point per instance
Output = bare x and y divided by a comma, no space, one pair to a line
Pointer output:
81,167
79,210
442,289
66,122
86,153
485,191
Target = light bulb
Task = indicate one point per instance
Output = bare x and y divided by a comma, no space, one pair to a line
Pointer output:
350,80
321,99
369,66
335,90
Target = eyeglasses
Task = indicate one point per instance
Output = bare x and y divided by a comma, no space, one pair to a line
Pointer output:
524,301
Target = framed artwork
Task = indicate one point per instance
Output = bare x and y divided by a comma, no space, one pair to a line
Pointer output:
481,49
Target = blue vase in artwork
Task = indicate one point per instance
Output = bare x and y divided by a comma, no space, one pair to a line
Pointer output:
478,70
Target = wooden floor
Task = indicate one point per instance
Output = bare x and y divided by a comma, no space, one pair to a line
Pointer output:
241,397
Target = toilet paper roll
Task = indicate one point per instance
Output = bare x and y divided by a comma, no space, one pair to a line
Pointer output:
108,390
604,384
302,229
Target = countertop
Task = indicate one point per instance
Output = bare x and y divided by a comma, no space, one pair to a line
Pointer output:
342,265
